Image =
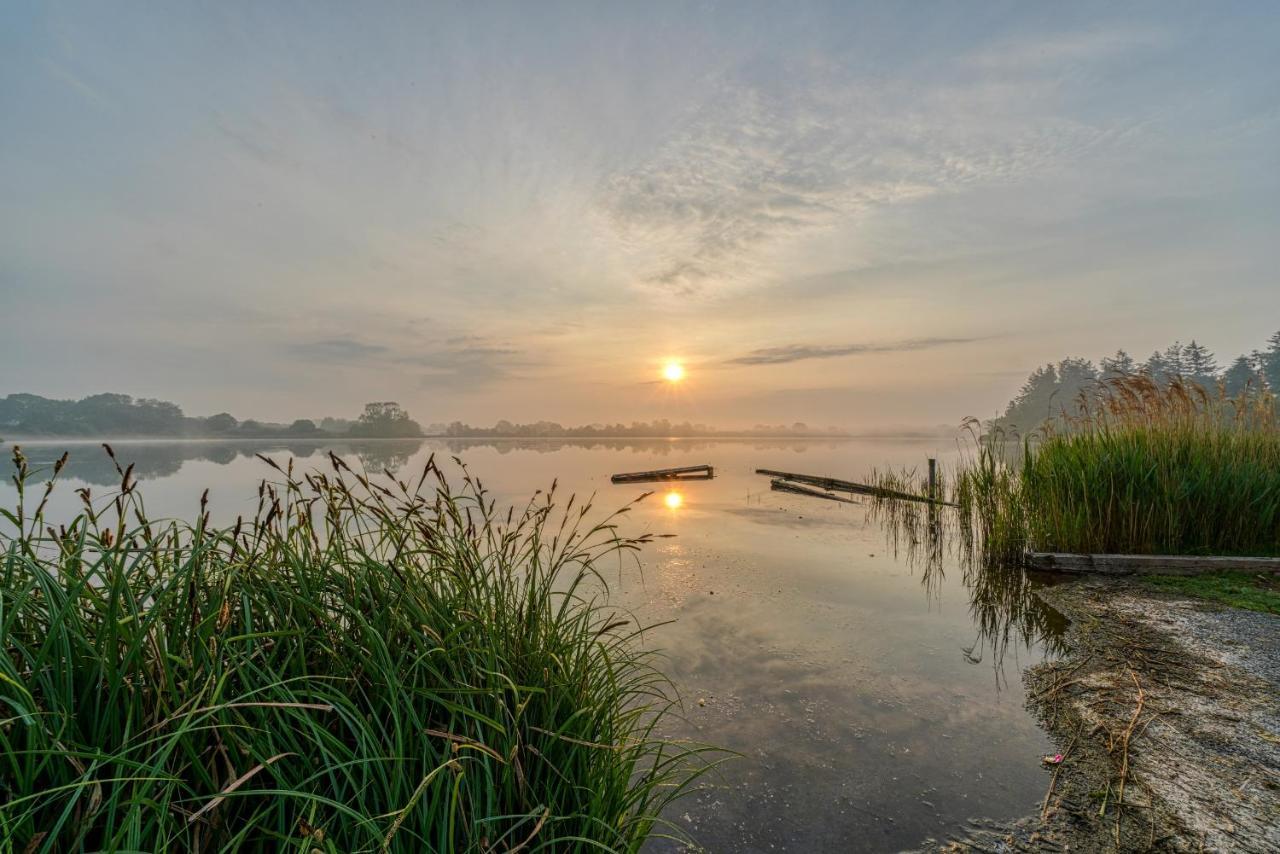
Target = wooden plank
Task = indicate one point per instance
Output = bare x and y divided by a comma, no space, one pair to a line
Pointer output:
1112,564
681,473
836,485
783,486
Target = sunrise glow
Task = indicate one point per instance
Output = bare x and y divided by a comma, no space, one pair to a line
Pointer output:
673,500
673,372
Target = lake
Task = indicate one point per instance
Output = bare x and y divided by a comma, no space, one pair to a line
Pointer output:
873,700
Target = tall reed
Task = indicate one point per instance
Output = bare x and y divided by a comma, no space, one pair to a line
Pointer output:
364,665
1143,467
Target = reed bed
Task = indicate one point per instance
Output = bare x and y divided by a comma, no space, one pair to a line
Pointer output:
1144,467
364,665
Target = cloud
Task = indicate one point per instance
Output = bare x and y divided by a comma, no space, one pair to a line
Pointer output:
801,352
71,79
774,156
1075,47
340,350
466,364
459,362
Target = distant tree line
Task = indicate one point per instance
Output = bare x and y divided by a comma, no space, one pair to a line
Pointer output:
636,429
107,415
123,415
1053,388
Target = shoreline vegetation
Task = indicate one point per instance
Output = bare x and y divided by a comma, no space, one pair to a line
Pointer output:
363,665
1139,466
120,416
1134,465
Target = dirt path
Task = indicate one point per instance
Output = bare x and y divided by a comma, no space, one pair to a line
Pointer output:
1167,711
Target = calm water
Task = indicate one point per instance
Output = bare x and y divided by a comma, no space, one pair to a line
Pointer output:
872,700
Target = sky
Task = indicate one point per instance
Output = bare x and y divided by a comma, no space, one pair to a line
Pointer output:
862,215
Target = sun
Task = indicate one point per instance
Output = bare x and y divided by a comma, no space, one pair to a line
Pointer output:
673,500
673,372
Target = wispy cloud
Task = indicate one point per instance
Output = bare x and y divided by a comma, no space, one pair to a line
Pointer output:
339,350
76,82
1054,50
765,161
801,352
458,363
466,364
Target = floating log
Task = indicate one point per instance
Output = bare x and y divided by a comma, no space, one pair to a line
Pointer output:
783,486
1110,564
831,483
683,473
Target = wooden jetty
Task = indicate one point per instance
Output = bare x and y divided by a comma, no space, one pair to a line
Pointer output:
834,485
1111,564
683,473
778,485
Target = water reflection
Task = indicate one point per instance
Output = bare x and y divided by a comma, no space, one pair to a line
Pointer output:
159,459
647,447
1007,613
88,462
860,723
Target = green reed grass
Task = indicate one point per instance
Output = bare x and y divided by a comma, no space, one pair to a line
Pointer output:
1145,467
364,665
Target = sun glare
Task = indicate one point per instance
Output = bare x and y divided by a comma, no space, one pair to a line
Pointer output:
673,372
673,500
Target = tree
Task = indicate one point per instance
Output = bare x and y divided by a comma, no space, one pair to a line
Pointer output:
1269,362
385,419
1048,392
1242,376
303,427
1164,366
223,422
1119,365
1199,363
1156,367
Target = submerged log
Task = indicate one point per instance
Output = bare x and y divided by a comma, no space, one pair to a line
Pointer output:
682,473
1112,564
783,486
835,485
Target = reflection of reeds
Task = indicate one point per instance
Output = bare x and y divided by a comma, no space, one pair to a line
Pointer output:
1001,597
363,665
1141,467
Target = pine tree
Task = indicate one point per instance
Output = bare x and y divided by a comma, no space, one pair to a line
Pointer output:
1199,363
1175,359
1269,362
1241,376
1121,364
1156,367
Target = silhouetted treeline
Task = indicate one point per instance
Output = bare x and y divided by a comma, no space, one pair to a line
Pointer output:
636,429
1054,389
123,415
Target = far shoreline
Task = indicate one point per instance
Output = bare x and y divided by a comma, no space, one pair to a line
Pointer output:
86,440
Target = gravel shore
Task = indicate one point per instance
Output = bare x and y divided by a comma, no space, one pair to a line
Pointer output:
1167,713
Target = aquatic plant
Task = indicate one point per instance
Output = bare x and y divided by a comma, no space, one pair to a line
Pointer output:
1143,466
1158,468
366,664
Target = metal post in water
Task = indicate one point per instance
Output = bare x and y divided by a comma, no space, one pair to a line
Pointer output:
933,478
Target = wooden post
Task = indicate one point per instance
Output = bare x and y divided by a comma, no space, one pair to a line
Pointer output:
933,478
